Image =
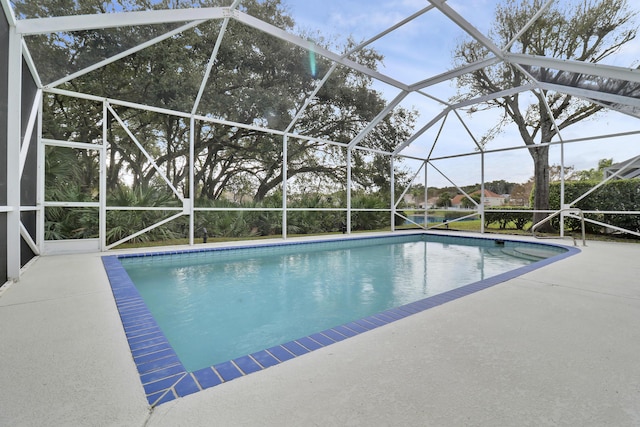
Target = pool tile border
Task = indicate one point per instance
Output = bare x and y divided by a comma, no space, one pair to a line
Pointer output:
163,376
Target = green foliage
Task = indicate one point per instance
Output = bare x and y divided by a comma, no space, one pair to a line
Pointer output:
615,195
71,223
123,223
581,30
499,186
256,79
315,222
451,215
71,175
444,200
504,219
468,204
593,174
362,220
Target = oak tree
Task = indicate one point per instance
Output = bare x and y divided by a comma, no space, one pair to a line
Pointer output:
580,30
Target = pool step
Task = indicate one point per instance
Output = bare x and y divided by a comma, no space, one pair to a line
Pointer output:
526,252
522,252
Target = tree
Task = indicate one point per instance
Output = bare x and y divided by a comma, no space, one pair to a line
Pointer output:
444,200
418,193
585,30
468,204
499,186
594,174
256,80
556,171
521,193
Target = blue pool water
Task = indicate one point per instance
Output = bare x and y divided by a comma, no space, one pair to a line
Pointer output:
218,305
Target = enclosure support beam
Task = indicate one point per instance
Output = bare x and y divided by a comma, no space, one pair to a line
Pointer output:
393,193
151,227
212,59
145,153
116,19
528,25
310,98
348,191
285,177
422,130
31,124
598,70
482,196
400,198
304,44
40,170
13,154
562,177
192,184
27,238
466,26
381,115
456,72
102,216
124,54
589,95
453,183
426,194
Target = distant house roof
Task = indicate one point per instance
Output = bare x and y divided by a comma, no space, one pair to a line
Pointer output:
487,194
457,199
631,169
490,197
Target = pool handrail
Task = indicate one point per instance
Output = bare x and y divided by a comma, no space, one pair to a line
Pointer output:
553,215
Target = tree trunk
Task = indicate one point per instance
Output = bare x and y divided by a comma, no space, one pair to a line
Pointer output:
265,187
541,190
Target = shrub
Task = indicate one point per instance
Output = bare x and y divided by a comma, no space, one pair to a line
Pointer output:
616,195
503,219
451,215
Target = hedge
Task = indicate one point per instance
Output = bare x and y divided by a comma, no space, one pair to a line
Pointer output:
518,219
615,195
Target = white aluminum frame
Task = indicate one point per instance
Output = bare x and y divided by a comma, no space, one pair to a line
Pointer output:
193,17
13,154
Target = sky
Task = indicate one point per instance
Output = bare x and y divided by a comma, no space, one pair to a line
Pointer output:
422,49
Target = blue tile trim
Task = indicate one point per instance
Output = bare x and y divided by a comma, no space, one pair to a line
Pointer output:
295,348
163,376
163,384
159,367
357,327
207,378
227,371
247,365
280,353
187,385
265,359
309,344
321,339
334,335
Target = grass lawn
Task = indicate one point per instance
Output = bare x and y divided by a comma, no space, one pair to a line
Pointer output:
468,225
474,225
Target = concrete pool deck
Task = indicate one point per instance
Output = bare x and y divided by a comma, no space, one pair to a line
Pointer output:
556,346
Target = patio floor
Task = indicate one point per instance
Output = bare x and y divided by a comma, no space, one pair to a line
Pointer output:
556,346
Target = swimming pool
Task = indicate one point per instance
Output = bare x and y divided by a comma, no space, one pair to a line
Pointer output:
300,296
